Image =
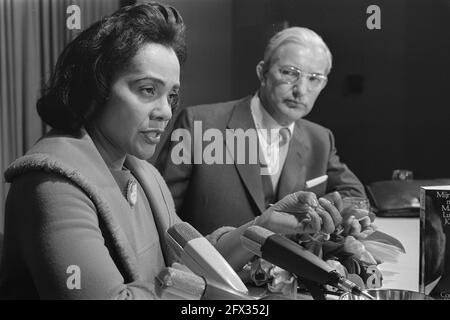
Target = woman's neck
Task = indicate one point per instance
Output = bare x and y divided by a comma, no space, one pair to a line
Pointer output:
113,158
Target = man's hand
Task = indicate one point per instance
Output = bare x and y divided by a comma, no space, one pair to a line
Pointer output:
355,222
335,199
299,213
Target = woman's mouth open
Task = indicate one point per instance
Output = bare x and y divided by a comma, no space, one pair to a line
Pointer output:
152,136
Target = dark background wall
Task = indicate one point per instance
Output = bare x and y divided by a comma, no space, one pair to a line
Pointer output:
386,99
206,77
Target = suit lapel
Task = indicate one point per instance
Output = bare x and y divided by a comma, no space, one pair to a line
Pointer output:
241,118
293,175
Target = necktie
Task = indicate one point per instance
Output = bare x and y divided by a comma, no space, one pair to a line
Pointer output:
269,181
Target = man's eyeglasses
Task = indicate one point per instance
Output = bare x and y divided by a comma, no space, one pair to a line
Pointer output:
291,75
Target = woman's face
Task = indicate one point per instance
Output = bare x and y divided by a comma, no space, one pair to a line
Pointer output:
140,103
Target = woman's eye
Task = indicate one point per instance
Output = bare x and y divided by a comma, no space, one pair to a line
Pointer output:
148,91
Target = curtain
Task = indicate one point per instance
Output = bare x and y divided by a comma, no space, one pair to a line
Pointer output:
32,35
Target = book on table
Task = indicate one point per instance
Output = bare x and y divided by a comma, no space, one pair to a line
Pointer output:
435,241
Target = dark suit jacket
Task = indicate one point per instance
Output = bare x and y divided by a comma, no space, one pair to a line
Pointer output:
213,195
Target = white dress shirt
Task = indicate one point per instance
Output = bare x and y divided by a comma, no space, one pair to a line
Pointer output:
272,152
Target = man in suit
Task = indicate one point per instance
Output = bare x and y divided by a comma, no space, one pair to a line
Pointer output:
291,151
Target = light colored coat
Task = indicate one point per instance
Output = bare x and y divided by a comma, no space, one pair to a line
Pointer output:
101,207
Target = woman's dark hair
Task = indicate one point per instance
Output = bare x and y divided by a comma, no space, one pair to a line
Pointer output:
81,82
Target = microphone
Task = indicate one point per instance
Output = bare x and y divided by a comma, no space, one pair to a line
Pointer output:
294,258
201,257
175,284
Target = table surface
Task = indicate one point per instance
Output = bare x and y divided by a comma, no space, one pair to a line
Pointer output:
404,274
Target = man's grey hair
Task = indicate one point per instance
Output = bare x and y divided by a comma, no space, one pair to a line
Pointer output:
300,35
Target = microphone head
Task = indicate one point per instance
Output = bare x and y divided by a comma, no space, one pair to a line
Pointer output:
254,237
201,257
182,233
285,253
178,235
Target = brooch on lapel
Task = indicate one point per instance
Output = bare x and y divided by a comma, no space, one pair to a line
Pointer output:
132,192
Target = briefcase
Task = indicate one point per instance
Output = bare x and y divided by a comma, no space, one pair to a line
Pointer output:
398,198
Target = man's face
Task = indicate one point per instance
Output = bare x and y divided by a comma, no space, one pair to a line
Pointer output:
139,105
287,103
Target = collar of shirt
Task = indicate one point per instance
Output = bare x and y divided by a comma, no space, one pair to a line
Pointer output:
263,120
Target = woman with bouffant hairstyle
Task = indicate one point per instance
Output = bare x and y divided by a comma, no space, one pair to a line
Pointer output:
86,214
80,84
